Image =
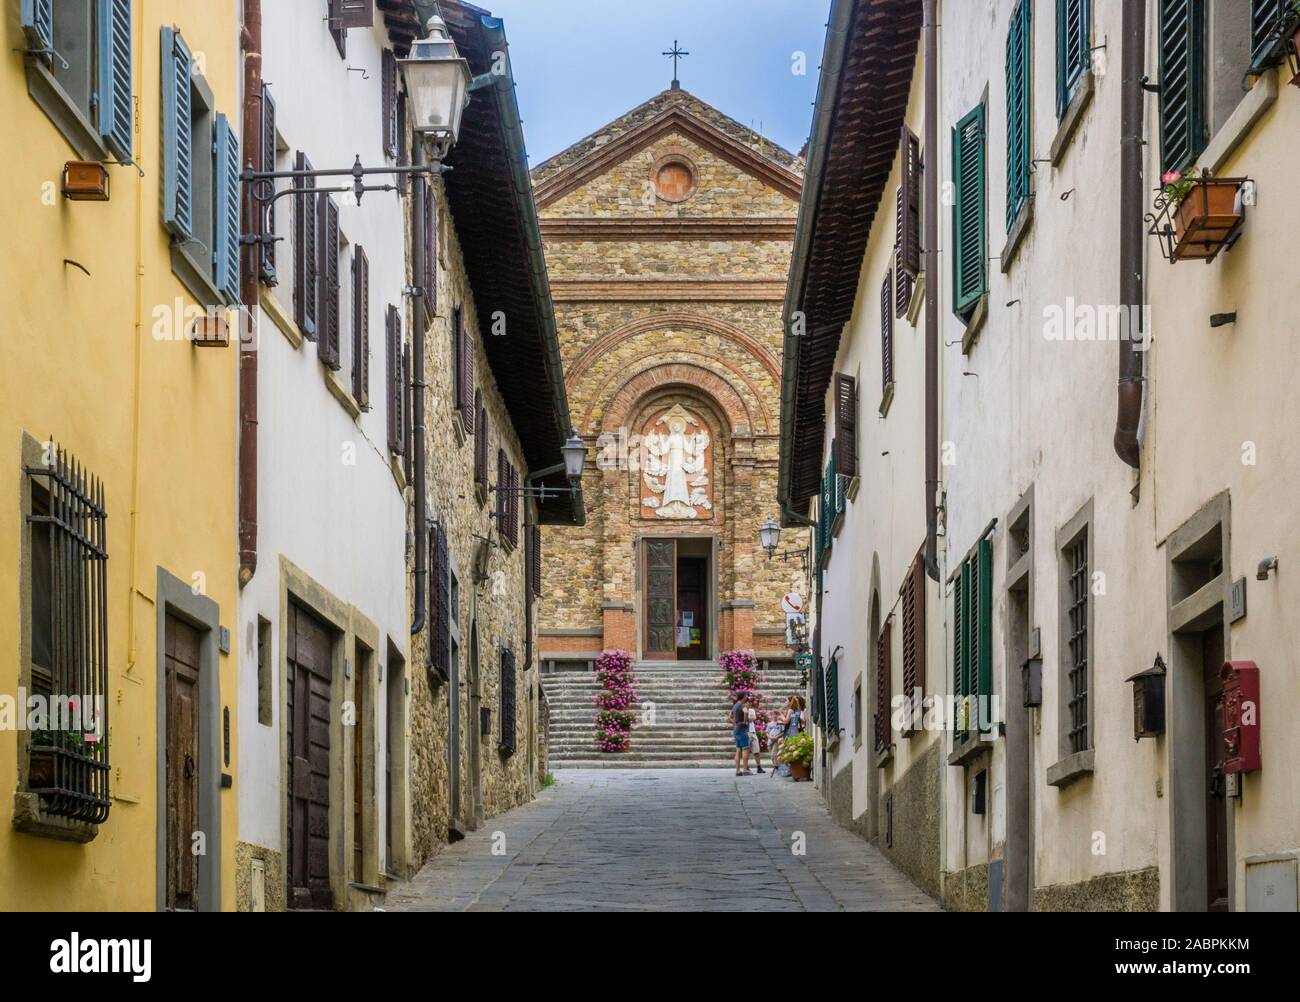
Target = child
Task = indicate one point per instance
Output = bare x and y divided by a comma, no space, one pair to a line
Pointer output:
756,738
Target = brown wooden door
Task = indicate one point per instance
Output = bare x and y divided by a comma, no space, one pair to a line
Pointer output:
660,590
1216,806
692,608
308,718
181,660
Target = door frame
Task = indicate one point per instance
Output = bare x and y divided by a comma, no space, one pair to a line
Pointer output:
640,539
176,598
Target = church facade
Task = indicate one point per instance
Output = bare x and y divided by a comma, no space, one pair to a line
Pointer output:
668,236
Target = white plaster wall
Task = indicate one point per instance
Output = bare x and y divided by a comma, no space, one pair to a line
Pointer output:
344,525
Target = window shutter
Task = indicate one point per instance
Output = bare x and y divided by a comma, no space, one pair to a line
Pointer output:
480,440
508,685
502,484
884,672
440,602
827,506
968,220
535,572
306,279
514,505
1268,18
982,624
846,425
1182,83
430,276
37,20
913,606
393,379
346,14
328,270
887,332
226,247
909,203
903,281
408,405
178,158
1019,152
1073,49
403,151
833,698
465,381
389,98
115,108
264,223
361,328
961,646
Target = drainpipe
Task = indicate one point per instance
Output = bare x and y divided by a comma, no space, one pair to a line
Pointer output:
931,223
251,39
1128,410
419,323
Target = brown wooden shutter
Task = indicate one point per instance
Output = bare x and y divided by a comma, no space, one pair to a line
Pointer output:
408,405
903,280
361,329
465,382
913,606
328,269
264,216
393,380
439,602
503,482
514,505
535,571
910,215
351,14
886,332
403,147
388,89
846,425
883,670
480,440
306,281
430,276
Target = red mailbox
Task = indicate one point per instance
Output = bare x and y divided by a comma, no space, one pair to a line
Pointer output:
1240,716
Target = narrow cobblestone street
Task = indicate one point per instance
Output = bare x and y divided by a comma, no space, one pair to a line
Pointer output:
662,840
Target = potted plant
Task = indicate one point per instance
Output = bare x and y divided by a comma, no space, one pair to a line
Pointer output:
1207,211
797,753
41,768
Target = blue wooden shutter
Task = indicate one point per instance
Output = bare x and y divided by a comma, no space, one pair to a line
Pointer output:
1268,21
1018,130
115,111
1073,49
178,157
225,240
37,19
264,224
968,212
1182,83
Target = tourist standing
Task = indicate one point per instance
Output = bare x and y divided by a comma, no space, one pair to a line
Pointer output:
740,732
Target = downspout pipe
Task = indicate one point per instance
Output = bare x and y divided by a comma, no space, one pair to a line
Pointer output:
930,31
1130,389
251,39
419,326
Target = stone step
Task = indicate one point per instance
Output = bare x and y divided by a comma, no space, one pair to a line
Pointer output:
617,762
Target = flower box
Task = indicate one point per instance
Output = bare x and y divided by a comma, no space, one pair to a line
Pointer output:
1198,215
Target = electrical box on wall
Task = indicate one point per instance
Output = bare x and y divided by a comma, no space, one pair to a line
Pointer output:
1240,716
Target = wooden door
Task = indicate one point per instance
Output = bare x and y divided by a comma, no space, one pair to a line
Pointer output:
692,608
310,671
181,660
660,590
1216,806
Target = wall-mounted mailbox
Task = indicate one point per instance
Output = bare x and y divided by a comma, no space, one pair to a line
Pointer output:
1240,716
1149,701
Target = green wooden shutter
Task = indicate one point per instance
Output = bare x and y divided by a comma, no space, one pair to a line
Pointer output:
225,243
1019,153
1182,83
1268,21
833,698
1073,49
816,691
177,157
37,20
959,650
115,109
968,214
982,626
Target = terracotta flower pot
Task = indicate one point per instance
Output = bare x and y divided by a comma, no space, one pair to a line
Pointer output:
1205,218
798,771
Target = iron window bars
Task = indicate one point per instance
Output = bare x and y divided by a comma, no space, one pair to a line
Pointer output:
68,761
1077,613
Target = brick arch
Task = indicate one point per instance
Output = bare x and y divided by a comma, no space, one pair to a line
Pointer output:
659,321
661,376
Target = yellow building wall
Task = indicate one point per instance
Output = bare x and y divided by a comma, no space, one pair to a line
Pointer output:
156,420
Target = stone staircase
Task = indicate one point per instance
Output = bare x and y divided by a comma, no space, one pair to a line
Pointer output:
690,706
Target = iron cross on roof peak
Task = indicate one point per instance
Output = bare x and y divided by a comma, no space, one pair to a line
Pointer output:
677,52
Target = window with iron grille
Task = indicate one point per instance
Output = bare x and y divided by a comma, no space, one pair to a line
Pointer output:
884,668
1076,623
67,761
508,686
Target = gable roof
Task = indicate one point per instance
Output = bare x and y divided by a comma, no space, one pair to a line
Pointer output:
673,111
867,67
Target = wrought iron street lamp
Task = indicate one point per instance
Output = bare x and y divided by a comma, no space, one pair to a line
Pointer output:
574,451
438,83
769,535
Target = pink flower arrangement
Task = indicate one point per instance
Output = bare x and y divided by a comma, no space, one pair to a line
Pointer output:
615,701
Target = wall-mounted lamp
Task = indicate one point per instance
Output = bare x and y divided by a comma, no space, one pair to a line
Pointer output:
1266,565
1149,701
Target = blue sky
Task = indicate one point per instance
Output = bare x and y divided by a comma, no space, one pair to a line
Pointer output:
582,63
